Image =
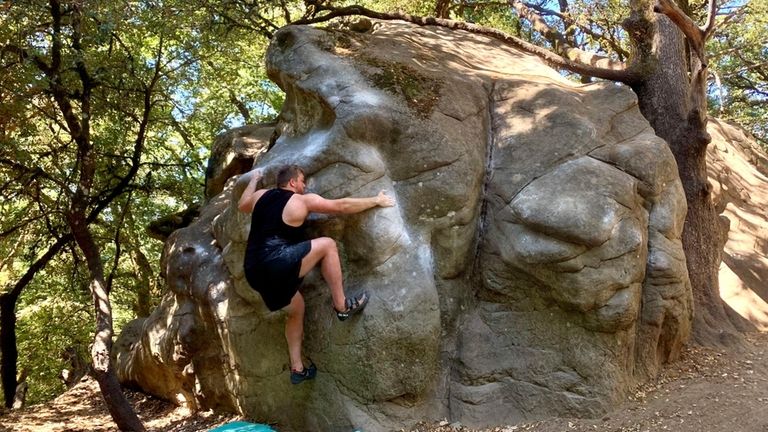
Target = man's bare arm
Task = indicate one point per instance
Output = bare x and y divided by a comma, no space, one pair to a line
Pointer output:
249,197
318,204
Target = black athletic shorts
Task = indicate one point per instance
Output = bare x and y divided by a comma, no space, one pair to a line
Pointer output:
273,271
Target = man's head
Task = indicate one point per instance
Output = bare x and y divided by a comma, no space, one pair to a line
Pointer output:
291,177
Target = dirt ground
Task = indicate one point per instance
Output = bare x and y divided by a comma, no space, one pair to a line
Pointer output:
707,390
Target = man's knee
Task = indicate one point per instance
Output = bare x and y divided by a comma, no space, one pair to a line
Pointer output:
328,245
296,306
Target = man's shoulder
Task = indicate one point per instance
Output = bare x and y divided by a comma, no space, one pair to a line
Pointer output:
258,194
309,196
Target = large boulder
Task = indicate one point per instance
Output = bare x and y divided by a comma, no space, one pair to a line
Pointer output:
532,266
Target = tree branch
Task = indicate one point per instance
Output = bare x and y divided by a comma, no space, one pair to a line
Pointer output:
138,146
118,245
735,15
286,13
33,172
240,106
746,68
711,14
593,66
58,91
720,95
11,256
234,22
23,224
560,43
38,265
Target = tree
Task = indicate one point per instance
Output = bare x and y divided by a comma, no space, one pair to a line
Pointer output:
667,67
91,88
69,83
107,111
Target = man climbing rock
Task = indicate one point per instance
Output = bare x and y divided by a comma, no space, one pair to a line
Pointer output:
278,255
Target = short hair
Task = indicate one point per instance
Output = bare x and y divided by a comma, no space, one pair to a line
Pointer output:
287,173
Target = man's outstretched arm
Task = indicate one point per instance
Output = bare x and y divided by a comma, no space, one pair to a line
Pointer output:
318,204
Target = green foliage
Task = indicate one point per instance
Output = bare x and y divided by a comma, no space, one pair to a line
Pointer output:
54,313
739,56
167,68
417,7
499,16
597,27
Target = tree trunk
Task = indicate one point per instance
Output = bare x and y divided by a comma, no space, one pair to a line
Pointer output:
118,406
22,387
10,353
143,306
675,108
442,8
79,367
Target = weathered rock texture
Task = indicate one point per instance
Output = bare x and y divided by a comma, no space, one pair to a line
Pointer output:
738,172
532,266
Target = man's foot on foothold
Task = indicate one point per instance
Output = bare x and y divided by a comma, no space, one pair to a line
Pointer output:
354,305
308,373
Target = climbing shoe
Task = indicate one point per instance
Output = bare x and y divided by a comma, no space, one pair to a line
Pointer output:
354,305
308,373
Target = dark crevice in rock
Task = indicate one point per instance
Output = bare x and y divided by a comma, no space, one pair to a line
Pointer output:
490,141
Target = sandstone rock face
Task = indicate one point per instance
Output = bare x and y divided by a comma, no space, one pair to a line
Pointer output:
738,172
532,266
234,152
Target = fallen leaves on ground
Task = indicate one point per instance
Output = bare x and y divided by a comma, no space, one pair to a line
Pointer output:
706,390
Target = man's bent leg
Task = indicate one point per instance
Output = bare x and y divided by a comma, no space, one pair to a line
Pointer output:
294,330
324,251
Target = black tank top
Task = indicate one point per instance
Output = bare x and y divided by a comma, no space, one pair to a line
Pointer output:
267,222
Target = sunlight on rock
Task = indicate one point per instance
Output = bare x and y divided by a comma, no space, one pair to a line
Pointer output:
743,299
740,190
